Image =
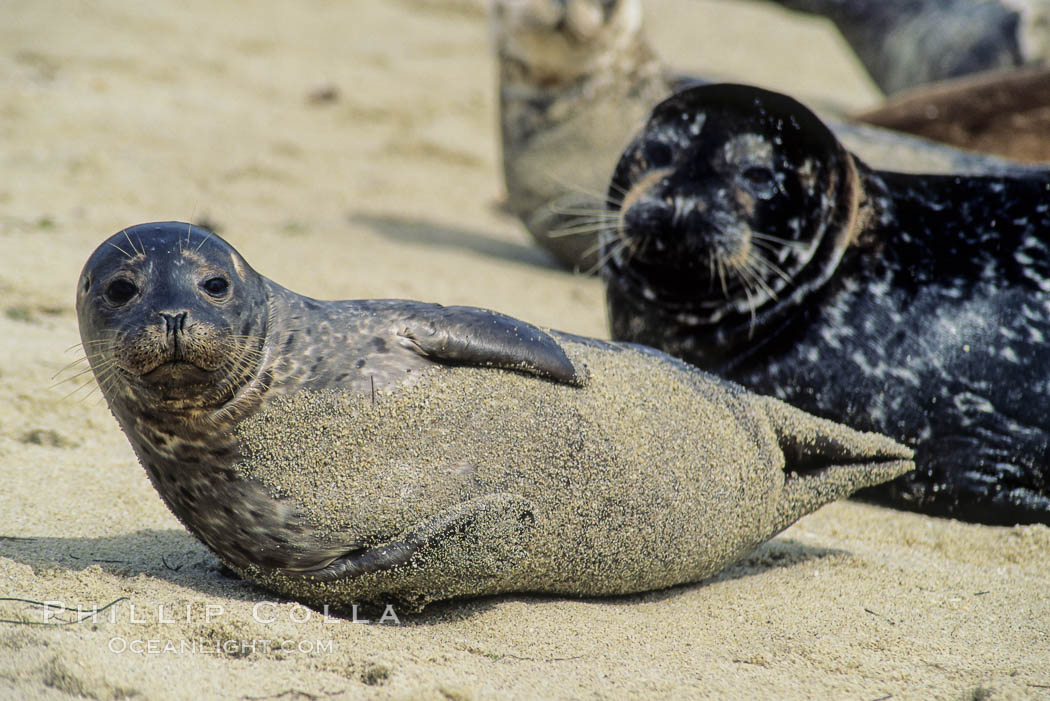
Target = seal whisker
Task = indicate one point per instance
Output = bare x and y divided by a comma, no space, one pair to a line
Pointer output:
204,240
81,344
605,257
101,376
75,376
578,229
126,254
71,365
748,290
586,212
752,266
576,188
770,266
776,239
131,243
722,276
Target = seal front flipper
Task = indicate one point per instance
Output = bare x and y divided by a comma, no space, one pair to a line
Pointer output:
474,336
489,529
825,461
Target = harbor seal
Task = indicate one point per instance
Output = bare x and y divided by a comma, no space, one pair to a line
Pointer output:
1006,113
577,78
750,242
906,43
337,451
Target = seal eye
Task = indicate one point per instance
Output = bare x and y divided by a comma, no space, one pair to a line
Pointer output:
216,286
657,154
120,291
761,181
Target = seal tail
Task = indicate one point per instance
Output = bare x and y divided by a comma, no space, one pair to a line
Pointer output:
825,461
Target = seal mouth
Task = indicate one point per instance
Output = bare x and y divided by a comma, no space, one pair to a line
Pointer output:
177,373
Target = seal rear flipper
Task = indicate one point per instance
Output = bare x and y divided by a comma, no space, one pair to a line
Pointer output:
825,461
495,521
474,336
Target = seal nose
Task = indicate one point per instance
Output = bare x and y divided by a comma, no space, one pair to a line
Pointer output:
175,324
648,217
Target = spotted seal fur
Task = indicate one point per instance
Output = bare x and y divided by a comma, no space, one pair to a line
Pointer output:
749,241
343,450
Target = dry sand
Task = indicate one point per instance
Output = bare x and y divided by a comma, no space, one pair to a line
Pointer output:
116,113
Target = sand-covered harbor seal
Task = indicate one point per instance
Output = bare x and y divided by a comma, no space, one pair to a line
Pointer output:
749,241
337,451
577,78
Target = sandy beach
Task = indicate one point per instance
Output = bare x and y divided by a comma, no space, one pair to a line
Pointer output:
349,150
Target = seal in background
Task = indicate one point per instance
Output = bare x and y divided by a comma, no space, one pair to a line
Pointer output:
576,80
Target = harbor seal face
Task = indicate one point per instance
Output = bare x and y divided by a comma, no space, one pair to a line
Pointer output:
725,210
178,316
907,304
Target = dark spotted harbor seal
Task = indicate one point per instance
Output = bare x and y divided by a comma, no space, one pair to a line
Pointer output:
577,79
336,451
748,241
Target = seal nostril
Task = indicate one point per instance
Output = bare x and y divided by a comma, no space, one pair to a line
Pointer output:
648,217
174,323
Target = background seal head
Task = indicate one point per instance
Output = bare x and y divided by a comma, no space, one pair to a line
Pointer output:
733,203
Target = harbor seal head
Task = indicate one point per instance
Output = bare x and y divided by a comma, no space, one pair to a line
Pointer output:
886,300
728,213
178,315
337,451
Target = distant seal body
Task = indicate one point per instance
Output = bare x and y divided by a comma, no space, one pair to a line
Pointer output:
1002,112
905,43
577,78
750,242
202,361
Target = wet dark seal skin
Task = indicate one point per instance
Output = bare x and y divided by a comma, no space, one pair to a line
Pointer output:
751,243
192,349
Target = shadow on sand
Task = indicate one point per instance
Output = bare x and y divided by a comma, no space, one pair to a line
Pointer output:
188,564
425,233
